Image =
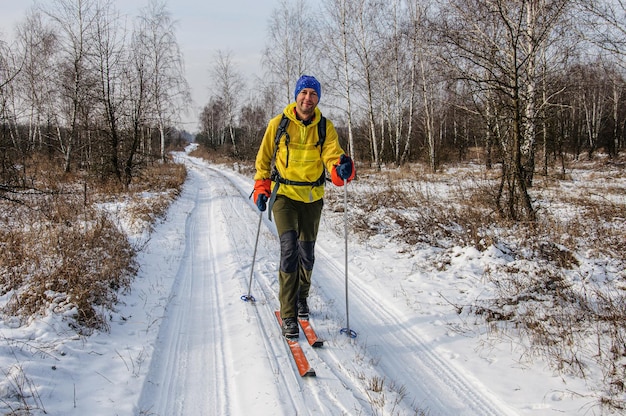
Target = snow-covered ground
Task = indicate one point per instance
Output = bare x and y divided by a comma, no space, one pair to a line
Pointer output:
182,341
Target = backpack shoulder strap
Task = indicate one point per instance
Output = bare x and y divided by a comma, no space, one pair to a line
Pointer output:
282,130
321,133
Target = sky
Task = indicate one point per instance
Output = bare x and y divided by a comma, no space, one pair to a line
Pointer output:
203,28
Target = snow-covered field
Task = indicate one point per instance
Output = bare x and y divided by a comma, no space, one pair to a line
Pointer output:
182,342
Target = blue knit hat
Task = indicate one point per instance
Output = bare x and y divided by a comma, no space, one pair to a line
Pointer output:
307,81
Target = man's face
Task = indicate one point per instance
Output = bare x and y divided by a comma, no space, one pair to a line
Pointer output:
306,101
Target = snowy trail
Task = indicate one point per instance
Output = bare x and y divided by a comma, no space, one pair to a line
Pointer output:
430,379
218,355
180,364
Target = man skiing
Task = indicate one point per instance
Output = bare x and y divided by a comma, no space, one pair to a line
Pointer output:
298,148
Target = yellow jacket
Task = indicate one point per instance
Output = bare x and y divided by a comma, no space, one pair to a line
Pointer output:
302,161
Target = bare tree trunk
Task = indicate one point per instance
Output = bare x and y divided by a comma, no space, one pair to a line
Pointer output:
398,82
347,81
108,59
616,93
228,84
161,127
416,17
593,111
75,22
518,181
428,121
531,48
364,47
291,52
168,85
338,48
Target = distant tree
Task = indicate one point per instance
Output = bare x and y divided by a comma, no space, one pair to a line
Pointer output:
74,24
604,26
367,43
252,121
10,177
137,88
169,92
109,61
425,76
397,65
229,85
337,50
291,45
213,122
37,78
416,34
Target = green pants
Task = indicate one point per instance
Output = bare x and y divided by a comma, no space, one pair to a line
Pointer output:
297,224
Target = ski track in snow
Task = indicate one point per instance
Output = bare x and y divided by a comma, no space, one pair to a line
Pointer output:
218,355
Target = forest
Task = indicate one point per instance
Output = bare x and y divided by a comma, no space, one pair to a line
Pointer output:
81,90
522,85
519,85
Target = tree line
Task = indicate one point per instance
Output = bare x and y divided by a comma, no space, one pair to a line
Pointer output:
523,83
90,90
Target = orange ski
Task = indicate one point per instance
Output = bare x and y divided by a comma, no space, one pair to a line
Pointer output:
299,358
310,334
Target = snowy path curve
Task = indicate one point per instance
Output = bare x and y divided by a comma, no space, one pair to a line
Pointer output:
218,355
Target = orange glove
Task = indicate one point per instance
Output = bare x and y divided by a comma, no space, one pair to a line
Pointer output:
343,170
262,191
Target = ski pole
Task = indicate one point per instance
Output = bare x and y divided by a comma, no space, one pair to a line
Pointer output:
349,332
249,296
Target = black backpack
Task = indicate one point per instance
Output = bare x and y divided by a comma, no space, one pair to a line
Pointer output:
275,176
282,130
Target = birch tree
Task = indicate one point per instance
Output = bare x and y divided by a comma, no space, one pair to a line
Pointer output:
108,61
74,23
291,44
212,121
137,85
10,177
38,42
477,51
169,92
396,66
416,13
337,49
366,45
229,85
605,28
424,77
537,32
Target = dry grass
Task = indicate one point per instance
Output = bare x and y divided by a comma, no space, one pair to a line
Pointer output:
221,157
61,254
408,207
575,326
562,295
